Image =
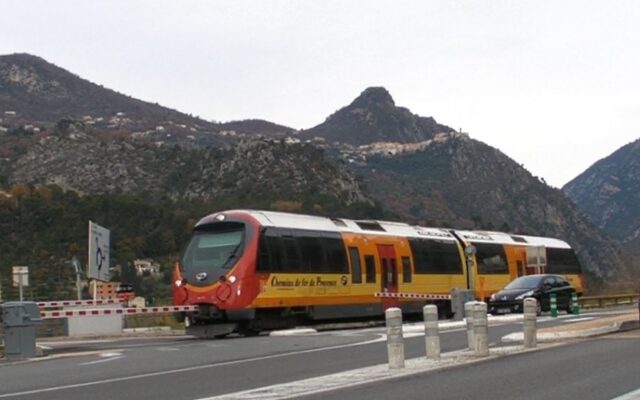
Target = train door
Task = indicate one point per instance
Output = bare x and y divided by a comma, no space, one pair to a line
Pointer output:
389,275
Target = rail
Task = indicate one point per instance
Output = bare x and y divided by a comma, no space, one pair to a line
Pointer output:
607,300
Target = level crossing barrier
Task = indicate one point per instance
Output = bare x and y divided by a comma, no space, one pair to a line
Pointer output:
115,311
78,303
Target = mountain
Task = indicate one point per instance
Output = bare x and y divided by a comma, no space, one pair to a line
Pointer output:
252,173
372,160
459,182
35,95
608,193
374,117
256,127
35,91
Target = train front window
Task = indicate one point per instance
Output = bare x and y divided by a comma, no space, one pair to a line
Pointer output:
215,246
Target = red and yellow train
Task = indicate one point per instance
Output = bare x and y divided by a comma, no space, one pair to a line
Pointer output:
254,270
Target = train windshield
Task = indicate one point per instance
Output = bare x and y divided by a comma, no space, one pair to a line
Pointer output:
214,247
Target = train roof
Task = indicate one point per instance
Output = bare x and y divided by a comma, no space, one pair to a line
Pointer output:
378,227
510,238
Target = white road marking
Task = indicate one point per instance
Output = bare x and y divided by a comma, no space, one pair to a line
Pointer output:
570,321
106,358
635,395
167,349
381,338
102,361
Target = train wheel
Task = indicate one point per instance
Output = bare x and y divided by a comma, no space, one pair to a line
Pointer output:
210,331
246,329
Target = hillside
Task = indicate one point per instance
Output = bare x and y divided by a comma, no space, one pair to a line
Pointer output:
35,95
37,92
460,182
373,160
374,117
608,193
254,173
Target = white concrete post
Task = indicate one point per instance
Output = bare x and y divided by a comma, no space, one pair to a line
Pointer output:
431,337
468,315
395,345
530,320
480,329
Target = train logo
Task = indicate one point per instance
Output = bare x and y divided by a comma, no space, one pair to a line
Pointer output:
201,276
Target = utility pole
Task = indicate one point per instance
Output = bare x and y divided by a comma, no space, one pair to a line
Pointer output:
78,268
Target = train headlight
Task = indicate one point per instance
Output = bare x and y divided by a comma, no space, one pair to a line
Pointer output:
231,279
180,282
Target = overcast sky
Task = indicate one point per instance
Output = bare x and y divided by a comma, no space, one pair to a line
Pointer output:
553,84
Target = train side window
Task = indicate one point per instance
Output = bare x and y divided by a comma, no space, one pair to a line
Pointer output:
491,258
356,270
562,261
406,269
264,255
370,265
291,261
392,272
435,256
313,257
270,257
335,252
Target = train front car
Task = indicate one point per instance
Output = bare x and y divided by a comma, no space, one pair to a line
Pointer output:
216,274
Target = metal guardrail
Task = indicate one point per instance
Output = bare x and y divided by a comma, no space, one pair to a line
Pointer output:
608,300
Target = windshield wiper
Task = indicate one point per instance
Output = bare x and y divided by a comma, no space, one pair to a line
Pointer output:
231,256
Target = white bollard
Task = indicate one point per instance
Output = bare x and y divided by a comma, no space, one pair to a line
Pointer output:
530,321
480,329
395,345
468,315
431,337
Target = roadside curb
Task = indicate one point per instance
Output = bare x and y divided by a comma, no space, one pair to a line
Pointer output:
547,337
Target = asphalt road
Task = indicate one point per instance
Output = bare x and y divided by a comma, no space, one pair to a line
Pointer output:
182,368
598,369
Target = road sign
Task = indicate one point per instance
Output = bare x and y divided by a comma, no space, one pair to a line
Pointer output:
20,276
98,266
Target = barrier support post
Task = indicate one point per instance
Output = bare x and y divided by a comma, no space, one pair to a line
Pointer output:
431,337
530,321
468,315
480,329
395,344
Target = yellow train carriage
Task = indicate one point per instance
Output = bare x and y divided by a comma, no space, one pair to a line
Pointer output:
381,258
254,270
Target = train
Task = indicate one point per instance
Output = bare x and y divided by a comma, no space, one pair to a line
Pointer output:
251,270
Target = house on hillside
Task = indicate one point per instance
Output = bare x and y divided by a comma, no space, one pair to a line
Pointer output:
146,267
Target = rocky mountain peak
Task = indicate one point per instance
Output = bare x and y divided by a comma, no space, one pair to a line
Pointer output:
374,97
373,117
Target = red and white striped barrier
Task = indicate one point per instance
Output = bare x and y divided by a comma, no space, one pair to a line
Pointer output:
78,303
413,296
115,311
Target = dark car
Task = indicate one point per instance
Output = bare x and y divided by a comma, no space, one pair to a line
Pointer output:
510,299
